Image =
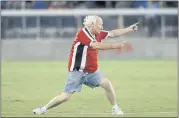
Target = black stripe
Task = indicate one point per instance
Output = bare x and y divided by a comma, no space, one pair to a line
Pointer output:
89,34
78,57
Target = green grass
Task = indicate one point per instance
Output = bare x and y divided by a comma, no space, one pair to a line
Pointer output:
143,88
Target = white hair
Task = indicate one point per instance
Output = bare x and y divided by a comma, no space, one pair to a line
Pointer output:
90,19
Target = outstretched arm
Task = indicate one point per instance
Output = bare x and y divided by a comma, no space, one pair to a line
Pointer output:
119,32
106,46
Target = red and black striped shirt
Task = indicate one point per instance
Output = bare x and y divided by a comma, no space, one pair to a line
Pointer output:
82,57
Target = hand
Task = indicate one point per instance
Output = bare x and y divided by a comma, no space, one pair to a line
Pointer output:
134,27
125,47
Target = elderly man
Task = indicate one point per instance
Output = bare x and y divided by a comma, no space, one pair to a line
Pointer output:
83,65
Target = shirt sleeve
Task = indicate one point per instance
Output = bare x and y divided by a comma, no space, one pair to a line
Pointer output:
103,34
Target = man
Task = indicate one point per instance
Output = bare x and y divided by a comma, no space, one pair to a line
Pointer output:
82,65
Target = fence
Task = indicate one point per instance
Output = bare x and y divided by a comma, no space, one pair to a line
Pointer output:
44,24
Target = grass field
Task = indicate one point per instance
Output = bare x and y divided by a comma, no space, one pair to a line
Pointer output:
143,88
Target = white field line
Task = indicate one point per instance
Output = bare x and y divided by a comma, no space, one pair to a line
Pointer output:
93,113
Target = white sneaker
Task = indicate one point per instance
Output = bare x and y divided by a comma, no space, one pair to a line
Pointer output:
41,110
117,111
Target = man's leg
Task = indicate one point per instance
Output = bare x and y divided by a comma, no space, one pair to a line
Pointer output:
73,84
63,97
110,93
109,90
96,79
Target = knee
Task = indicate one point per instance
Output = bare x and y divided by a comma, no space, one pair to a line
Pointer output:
106,81
106,84
65,97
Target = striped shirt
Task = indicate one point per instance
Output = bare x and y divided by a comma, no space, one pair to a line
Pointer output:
82,57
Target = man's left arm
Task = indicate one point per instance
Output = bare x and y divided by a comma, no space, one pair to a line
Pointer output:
119,32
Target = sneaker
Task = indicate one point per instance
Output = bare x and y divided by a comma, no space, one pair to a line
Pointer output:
41,110
117,111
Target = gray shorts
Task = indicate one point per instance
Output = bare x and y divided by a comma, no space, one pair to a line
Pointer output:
76,79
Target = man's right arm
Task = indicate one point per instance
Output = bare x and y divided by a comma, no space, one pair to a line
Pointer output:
106,46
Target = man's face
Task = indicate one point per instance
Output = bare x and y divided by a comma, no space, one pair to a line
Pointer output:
98,26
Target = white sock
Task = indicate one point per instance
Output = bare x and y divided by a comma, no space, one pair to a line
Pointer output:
115,106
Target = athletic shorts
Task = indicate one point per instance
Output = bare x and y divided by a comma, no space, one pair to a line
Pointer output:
76,79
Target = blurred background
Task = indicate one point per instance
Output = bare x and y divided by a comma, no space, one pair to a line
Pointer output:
45,29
